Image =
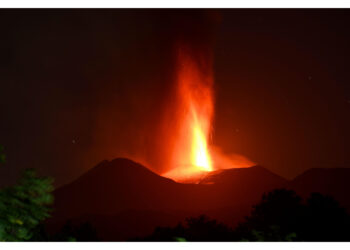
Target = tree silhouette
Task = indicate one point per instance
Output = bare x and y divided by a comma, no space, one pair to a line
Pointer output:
200,228
78,232
275,218
203,228
281,216
324,220
24,206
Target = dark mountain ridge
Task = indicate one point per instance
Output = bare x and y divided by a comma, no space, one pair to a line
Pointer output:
120,193
328,181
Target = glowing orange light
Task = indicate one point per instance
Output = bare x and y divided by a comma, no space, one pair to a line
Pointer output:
191,155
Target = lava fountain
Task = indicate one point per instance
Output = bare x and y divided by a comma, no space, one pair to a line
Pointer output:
193,118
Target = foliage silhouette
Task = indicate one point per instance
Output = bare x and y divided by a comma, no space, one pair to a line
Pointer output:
324,220
24,206
199,228
40,233
275,218
281,215
80,232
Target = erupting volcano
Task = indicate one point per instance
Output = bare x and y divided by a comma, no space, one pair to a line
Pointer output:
189,119
195,105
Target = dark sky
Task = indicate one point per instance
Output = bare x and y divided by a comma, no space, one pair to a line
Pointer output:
81,86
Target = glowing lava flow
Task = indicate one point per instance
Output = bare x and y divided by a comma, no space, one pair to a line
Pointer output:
194,113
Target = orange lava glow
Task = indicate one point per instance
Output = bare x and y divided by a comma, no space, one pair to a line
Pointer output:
194,97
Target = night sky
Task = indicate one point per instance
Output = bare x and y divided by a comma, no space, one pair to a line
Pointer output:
81,86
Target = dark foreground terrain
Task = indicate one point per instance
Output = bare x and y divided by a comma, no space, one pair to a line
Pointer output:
122,200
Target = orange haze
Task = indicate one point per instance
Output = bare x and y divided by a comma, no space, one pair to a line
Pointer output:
194,98
191,157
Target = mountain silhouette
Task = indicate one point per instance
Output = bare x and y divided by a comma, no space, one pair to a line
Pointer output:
123,199
328,181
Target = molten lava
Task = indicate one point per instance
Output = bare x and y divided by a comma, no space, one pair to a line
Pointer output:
188,122
194,99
